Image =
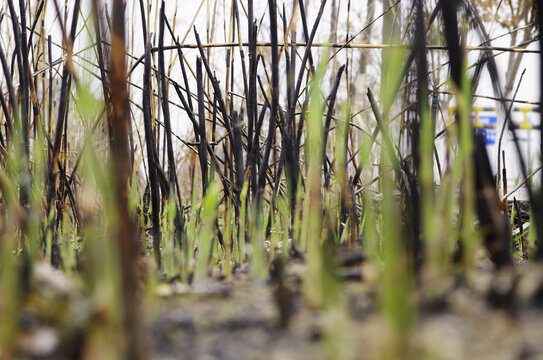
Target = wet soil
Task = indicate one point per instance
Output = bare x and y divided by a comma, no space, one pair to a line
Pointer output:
487,315
490,315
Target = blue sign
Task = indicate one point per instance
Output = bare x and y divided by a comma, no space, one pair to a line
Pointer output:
486,125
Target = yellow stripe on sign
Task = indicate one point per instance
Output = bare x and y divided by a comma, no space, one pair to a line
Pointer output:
477,124
525,125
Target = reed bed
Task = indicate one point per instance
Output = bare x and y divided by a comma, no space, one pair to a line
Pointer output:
134,153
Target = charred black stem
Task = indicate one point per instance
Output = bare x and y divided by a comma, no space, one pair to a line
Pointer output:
165,103
152,165
172,174
274,100
143,22
202,146
52,170
181,63
493,224
387,141
101,63
23,67
330,112
11,90
252,134
226,119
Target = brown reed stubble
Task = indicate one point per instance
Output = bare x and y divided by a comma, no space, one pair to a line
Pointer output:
127,237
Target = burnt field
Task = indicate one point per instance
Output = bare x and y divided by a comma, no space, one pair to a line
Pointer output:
265,180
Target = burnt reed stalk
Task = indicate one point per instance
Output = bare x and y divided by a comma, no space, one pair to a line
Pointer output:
252,99
518,220
254,155
181,64
201,134
186,81
414,201
19,57
11,93
210,148
292,134
21,53
422,82
53,168
537,208
274,99
50,90
237,171
539,213
305,29
128,242
27,47
290,62
151,148
165,102
37,15
433,120
227,121
98,26
496,234
5,110
287,56
242,61
143,22
172,174
237,151
254,117
329,114
24,80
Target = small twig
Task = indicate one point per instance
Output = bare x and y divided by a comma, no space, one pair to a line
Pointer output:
521,183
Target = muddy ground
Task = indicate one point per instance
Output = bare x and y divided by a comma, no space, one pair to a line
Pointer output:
488,315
